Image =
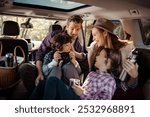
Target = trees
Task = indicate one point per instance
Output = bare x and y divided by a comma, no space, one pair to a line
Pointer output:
39,30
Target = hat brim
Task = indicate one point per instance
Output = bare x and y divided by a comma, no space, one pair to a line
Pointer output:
103,28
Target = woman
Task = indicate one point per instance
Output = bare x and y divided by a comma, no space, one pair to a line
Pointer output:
103,35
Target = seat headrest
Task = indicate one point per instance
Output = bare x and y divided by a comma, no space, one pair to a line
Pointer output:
143,61
55,27
10,28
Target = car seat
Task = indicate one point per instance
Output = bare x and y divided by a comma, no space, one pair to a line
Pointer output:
9,39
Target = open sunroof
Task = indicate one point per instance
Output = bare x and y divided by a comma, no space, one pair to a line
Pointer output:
49,4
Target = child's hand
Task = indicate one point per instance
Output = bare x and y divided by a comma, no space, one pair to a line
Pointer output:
78,89
57,56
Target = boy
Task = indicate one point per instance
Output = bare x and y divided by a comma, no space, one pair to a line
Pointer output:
57,65
61,58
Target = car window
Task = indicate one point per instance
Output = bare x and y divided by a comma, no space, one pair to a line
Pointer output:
145,25
37,33
119,31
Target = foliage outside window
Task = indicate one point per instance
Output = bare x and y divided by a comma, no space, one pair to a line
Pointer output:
87,27
39,30
146,32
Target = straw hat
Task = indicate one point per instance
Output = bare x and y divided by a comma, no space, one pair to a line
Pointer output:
105,24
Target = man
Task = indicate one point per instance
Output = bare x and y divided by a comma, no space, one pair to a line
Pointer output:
29,73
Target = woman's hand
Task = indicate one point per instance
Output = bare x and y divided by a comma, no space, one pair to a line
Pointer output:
57,56
131,68
78,89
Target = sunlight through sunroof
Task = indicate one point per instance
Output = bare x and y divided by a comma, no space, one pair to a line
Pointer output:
60,4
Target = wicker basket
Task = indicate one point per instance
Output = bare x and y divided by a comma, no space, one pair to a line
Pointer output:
9,75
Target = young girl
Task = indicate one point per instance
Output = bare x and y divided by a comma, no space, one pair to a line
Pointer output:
101,84
98,85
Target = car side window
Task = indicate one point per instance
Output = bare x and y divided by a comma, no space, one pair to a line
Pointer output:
37,32
119,31
145,25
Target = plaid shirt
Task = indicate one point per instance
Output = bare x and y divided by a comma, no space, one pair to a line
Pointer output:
99,86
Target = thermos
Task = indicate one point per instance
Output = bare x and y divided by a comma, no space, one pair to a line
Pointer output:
30,44
9,60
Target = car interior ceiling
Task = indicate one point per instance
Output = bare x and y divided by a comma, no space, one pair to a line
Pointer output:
143,59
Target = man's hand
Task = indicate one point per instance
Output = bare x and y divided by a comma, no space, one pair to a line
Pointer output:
39,77
72,57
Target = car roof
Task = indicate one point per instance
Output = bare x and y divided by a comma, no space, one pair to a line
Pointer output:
114,9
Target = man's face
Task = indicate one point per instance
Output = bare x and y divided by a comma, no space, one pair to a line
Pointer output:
73,29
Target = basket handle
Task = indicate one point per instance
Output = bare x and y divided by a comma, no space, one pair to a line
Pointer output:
15,56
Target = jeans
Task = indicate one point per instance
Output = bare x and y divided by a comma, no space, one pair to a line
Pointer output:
38,92
56,89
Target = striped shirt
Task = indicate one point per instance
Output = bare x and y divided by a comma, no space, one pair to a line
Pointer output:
99,86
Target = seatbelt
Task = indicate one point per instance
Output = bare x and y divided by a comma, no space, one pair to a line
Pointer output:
83,36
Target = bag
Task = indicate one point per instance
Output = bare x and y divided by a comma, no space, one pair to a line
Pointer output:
9,75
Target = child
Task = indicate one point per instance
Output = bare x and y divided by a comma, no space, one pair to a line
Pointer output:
101,84
60,63
98,85
63,58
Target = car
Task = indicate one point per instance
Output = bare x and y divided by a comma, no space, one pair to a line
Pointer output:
131,18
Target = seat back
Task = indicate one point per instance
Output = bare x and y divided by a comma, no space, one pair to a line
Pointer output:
143,61
11,28
55,27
